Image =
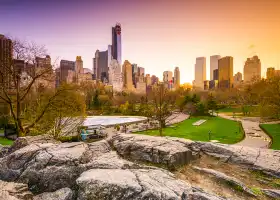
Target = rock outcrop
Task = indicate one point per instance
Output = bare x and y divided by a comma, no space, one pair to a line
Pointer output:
14,191
156,150
176,151
272,193
62,194
100,170
227,179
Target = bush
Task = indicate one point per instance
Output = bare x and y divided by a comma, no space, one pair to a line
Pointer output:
69,138
117,127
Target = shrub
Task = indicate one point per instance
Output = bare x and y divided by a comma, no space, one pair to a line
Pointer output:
69,138
117,127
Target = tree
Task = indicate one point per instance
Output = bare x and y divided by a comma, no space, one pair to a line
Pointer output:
64,115
14,92
211,103
162,105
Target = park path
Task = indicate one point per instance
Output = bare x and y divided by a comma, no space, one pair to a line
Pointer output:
254,135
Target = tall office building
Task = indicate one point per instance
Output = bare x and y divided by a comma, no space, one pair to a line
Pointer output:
226,72
154,80
237,79
272,72
216,74
101,64
168,79
148,80
134,74
167,76
252,69
213,65
177,77
6,58
79,65
117,43
141,71
127,78
200,72
43,62
66,73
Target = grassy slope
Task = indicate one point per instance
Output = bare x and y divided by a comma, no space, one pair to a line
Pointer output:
274,131
226,131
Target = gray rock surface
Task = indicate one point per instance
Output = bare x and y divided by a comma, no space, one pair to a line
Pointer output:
3,150
14,191
96,171
176,151
272,193
61,194
25,141
152,149
130,184
223,177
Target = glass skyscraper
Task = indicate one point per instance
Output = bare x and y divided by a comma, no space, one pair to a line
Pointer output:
117,43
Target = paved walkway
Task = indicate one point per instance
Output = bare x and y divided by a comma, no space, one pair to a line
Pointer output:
254,135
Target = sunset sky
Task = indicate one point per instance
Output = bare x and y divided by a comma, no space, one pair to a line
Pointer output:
156,34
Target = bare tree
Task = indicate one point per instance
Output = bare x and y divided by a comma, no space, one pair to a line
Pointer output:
13,91
162,106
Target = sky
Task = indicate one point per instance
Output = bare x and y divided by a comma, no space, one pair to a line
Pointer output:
156,34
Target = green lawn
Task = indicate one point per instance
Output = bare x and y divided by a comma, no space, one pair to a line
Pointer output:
226,131
5,141
273,130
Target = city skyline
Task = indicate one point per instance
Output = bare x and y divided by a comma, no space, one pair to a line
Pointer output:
158,40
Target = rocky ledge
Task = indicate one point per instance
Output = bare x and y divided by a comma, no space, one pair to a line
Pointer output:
41,168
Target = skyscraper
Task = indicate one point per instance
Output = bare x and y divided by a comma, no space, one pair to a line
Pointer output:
79,65
127,71
270,72
252,69
200,72
148,80
6,58
117,43
226,72
237,79
177,77
66,72
134,74
168,79
101,64
43,62
167,76
213,65
141,71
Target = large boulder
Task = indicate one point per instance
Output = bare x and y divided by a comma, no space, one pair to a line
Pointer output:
61,194
25,141
156,150
176,151
136,184
130,184
266,160
14,191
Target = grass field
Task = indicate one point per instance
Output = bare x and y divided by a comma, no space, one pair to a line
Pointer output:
273,130
4,141
226,131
